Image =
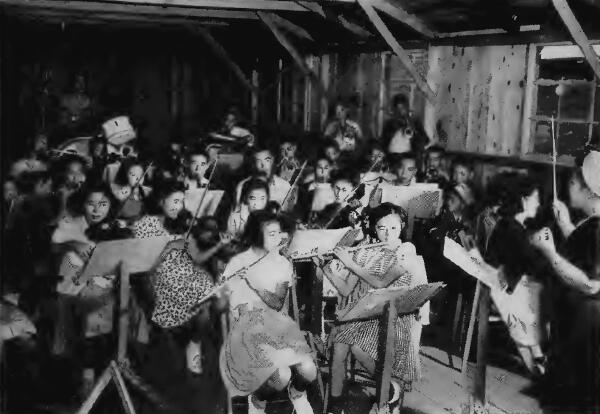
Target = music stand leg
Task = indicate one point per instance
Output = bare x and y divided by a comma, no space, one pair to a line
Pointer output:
101,384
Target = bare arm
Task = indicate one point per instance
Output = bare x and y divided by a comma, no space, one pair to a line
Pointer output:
378,283
572,276
343,280
567,272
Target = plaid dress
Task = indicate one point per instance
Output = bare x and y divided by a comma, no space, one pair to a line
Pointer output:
365,334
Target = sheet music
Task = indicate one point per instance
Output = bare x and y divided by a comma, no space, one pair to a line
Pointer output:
140,255
209,204
407,300
308,243
472,263
419,200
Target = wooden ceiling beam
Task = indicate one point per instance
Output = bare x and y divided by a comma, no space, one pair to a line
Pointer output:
77,17
569,19
271,5
222,53
290,27
367,6
115,23
398,13
296,56
100,7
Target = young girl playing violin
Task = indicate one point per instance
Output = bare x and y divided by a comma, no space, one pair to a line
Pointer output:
129,189
265,350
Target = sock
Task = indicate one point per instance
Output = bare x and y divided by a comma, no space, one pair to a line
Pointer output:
336,404
257,402
193,353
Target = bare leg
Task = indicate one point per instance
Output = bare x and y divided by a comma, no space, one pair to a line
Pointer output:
338,368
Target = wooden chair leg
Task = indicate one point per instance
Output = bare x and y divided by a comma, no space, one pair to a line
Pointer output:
457,312
386,353
471,328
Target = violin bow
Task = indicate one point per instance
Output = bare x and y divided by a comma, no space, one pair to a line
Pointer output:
294,184
210,177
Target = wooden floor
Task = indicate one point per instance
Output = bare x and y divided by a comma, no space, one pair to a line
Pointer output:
442,389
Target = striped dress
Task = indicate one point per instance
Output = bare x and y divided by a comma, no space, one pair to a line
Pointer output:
365,334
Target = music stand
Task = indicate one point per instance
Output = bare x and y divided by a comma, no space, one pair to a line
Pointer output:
125,257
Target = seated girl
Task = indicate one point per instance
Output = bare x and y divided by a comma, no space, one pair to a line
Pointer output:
255,196
128,188
182,281
265,350
353,279
91,300
167,216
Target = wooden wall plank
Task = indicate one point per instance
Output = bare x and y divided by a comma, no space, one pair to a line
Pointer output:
481,97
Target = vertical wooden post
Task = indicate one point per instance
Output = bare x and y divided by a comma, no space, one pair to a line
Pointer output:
529,101
295,100
308,95
254,99
279,89
175,89
325,79
383,86
482,343
124,293
360,89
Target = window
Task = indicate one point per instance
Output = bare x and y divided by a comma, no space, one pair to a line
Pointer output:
567,90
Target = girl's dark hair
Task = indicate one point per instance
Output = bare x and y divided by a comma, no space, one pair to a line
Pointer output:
251,185
343,175
396,159
462,161
330,143
400,99
121,176
436,148
510,190
76,202
206,224
253,235
162,190
383,210
194,149
577,173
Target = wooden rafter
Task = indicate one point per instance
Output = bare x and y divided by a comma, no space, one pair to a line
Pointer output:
146,10
398,13
290,27
353,27
569,19
286,5
60,16
284,41
367,6
222,53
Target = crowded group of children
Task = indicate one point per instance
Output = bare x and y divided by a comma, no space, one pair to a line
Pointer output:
58,205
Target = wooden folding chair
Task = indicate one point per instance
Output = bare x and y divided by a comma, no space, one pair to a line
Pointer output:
382,378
